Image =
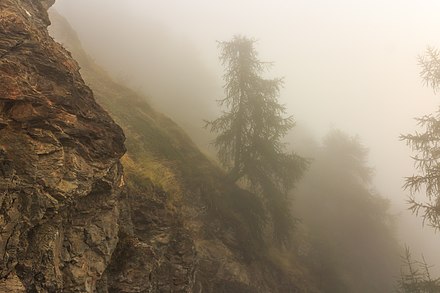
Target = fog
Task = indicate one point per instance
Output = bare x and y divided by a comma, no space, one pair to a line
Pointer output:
349,65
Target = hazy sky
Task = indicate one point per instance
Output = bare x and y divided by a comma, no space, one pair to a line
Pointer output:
347,64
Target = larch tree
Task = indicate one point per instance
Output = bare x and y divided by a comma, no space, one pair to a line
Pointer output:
250,132
426,144
415,276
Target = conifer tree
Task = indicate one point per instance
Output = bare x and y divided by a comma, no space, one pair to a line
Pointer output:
426,144
415,276
250,132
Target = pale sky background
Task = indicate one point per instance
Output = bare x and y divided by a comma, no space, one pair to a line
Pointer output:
347,64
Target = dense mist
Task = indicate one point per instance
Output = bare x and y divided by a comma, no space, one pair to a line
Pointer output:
351,80
351,233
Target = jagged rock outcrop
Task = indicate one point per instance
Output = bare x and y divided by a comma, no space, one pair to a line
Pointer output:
60,175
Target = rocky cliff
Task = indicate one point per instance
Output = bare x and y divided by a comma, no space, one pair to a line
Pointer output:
60,175
71,222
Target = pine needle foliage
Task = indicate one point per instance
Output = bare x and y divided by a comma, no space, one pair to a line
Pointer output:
426,144
251,129
415,276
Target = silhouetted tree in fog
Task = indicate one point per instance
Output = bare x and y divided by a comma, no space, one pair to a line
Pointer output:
251,129
350,231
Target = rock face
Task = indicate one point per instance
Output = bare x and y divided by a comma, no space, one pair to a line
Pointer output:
60,175
158,255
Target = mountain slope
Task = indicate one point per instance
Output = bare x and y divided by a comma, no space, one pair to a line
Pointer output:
187,228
